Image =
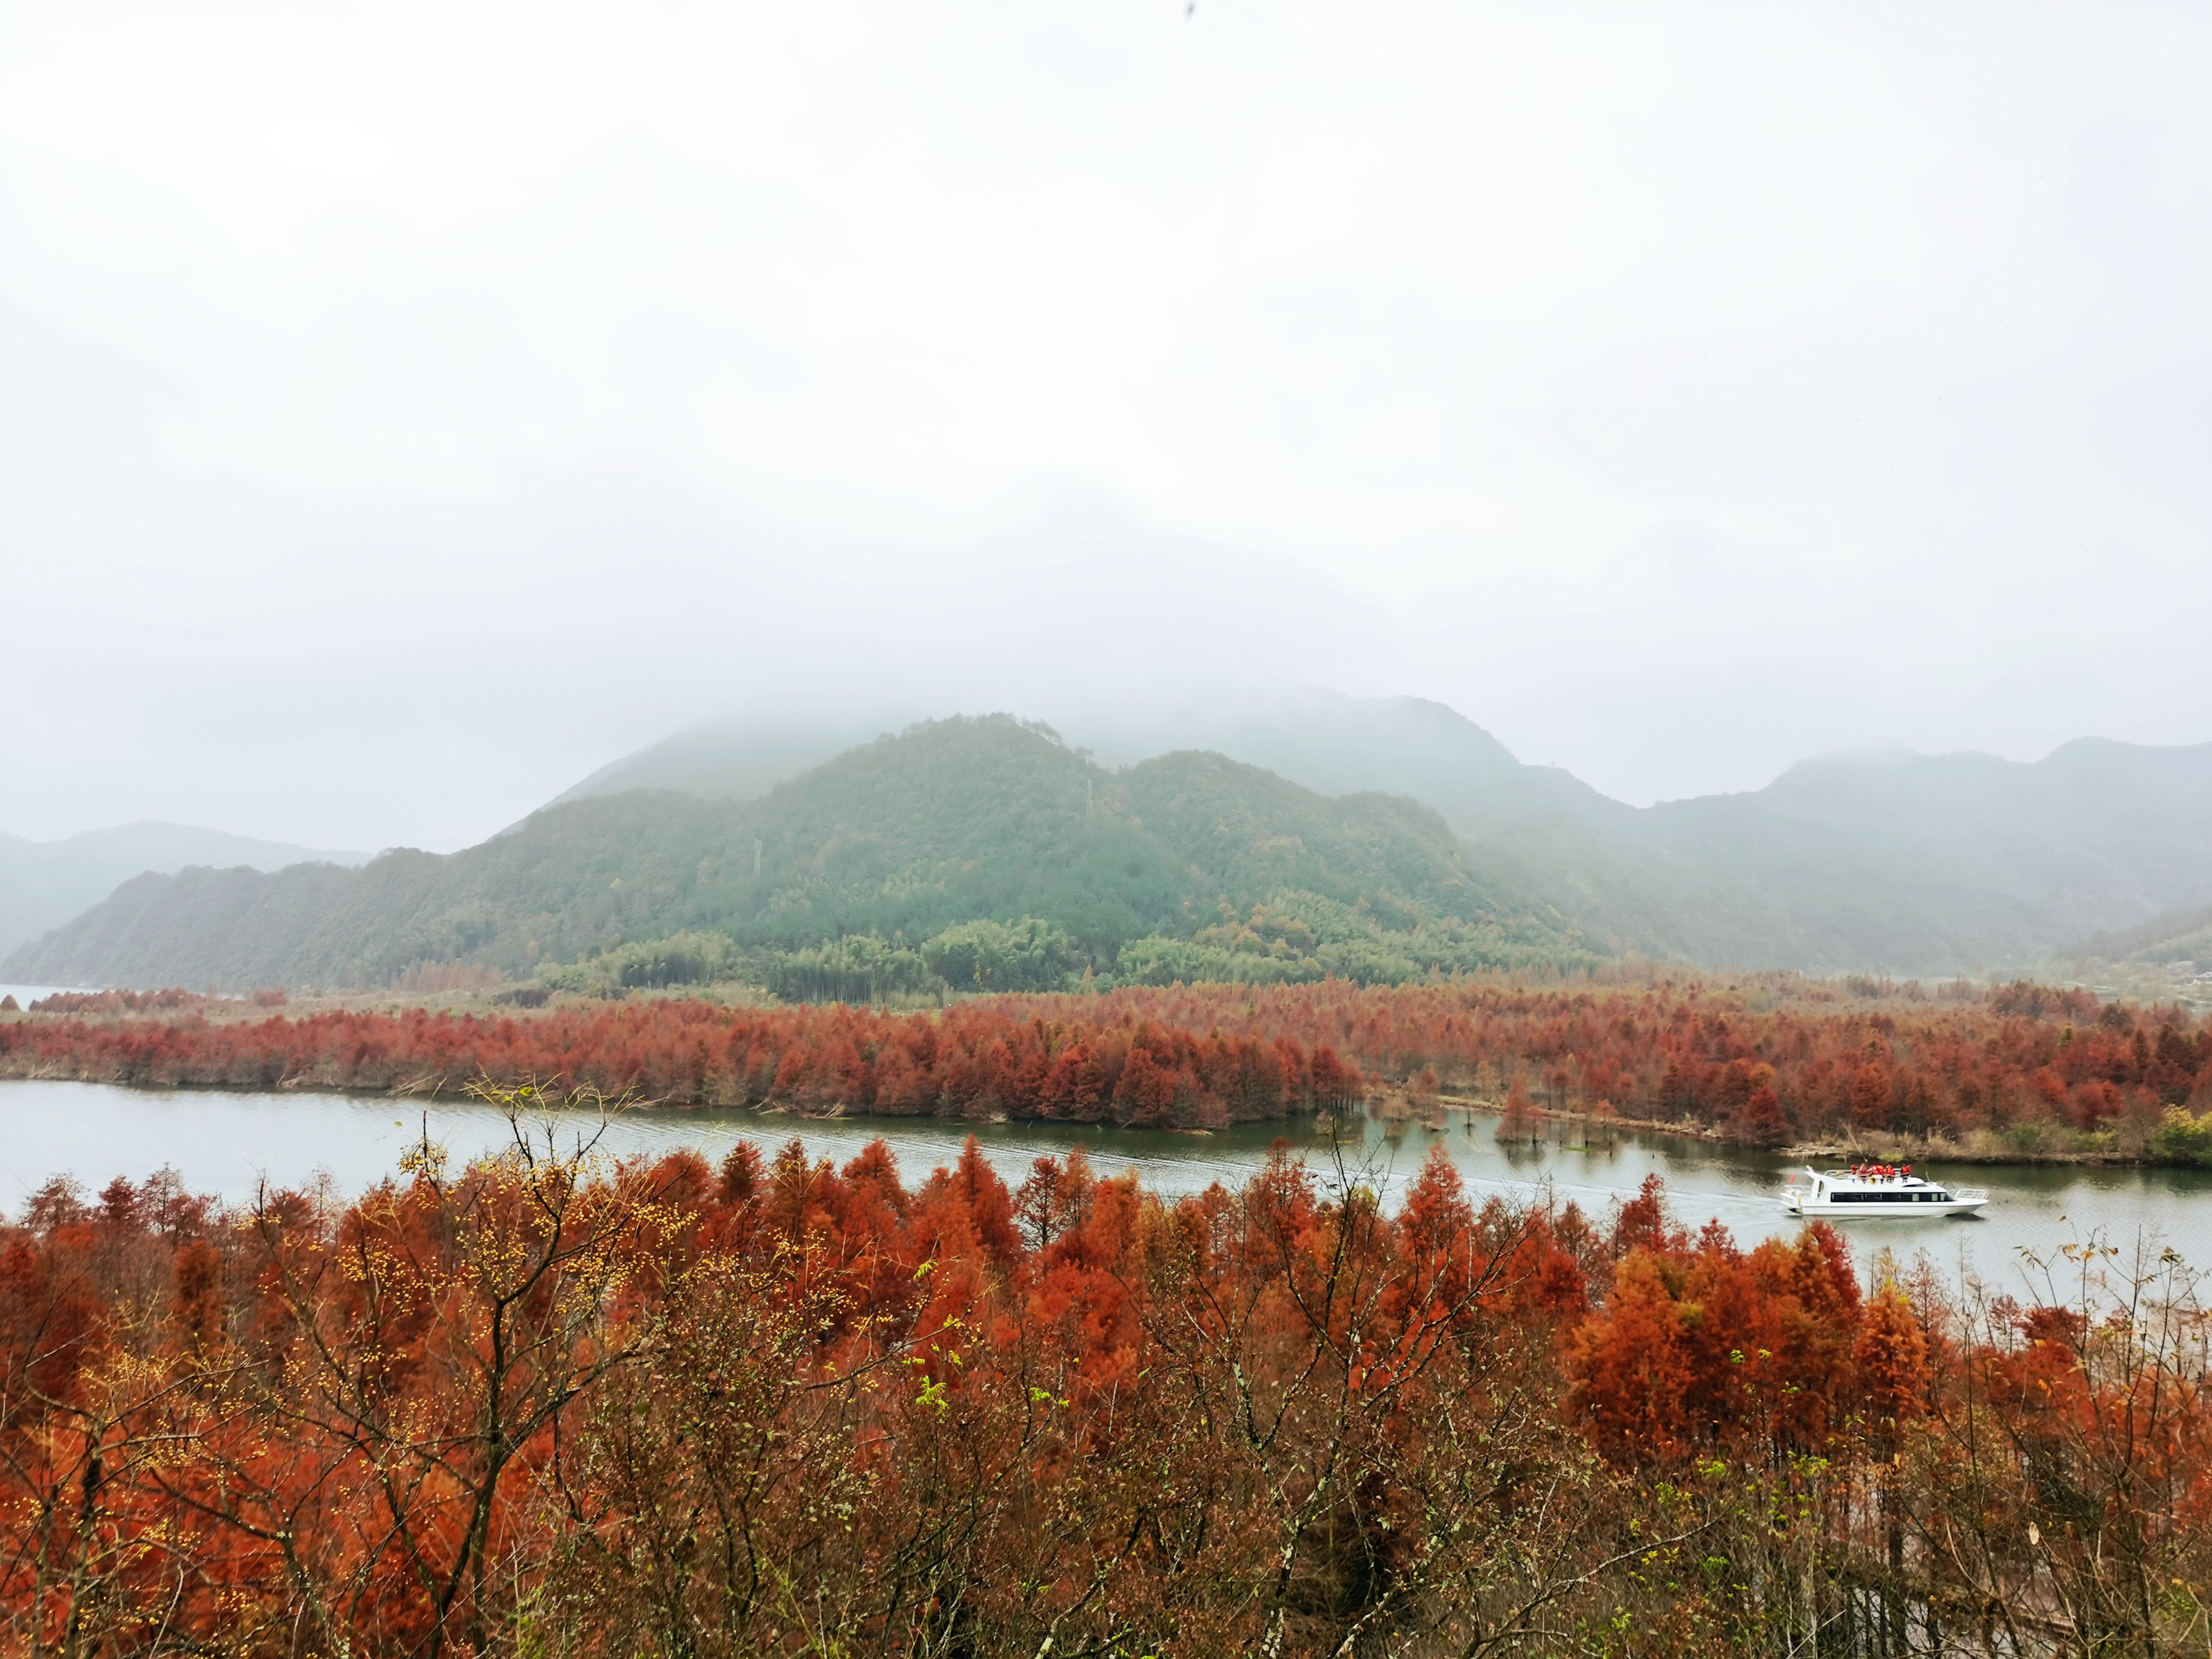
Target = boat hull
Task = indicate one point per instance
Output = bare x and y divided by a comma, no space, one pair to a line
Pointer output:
1877,1194
1832,1210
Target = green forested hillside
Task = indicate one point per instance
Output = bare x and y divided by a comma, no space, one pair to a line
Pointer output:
1880,861
44,883
952,822
1886,860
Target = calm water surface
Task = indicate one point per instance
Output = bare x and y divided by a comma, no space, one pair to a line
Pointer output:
25,995
226,1143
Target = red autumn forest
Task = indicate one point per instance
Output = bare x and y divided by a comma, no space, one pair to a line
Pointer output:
550,1406
2015,1069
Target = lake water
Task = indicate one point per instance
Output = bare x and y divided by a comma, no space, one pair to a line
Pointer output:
226,1142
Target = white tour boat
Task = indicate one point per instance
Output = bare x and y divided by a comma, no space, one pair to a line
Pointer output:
1888,1191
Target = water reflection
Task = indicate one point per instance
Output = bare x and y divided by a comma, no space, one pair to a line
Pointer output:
227,1142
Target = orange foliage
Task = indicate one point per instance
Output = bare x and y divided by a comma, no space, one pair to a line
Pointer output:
551,1404
1815,1063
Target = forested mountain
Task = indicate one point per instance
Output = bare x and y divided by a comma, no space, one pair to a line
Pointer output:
950,823
1884,861
44,883
729,759
1332,744
1889,861
1935,863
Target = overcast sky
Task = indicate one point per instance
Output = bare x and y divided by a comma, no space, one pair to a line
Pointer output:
404,409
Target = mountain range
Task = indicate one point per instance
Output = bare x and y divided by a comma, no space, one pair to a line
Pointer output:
44,883
1884,860
1397,809
948,822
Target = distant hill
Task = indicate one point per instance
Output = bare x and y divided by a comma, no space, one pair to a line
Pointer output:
44,883
1884,861
1914,863
1332,744
728,759
1337,744
1887,861
2177,936
951,821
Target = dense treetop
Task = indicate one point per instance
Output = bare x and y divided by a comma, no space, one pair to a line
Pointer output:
546,1406
2023,1070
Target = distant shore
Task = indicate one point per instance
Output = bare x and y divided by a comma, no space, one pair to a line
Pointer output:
2017,1075
1985,1148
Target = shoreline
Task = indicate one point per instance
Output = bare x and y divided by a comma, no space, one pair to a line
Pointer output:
2027,1144
1902,1150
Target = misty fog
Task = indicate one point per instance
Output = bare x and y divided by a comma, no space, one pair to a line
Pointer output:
404,416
